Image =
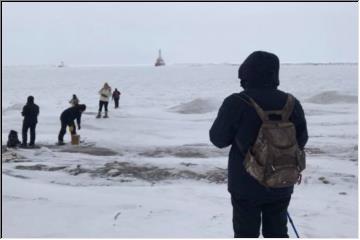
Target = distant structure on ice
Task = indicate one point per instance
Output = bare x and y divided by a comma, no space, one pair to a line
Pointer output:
159,60
61,65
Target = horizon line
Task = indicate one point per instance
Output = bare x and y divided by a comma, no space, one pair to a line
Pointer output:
170,64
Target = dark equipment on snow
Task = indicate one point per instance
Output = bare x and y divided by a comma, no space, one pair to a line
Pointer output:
275,160
292,224
13,140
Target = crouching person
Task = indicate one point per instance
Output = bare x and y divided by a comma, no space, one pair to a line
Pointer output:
67,119
267,131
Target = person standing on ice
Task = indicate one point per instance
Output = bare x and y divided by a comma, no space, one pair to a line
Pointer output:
67,118
116,97
237,124
30,113
74,100
105,94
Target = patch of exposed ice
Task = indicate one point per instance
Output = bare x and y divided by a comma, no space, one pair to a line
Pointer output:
13,107
331,97
196,106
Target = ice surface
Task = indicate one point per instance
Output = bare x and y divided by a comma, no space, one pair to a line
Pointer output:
150,170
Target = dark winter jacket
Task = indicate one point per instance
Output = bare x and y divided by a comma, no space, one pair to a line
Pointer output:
30,111
72,113
238,120
116,94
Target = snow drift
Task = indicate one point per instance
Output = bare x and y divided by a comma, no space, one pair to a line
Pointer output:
196,106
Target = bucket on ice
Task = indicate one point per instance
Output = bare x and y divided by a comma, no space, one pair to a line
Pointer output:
75,139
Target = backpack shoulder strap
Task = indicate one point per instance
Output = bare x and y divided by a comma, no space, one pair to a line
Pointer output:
288,108
261,113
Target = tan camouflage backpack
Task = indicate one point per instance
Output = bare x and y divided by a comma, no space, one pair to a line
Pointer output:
275,159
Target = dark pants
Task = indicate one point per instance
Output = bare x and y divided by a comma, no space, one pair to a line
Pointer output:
248,215
26,126
103,103
63,130
116,100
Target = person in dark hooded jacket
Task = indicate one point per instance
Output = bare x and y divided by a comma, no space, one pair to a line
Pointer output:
116,97
253,203
67,119
30,112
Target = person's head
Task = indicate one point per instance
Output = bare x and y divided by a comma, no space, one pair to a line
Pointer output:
74,96
260,70
30,99
82,107
115,89
106,85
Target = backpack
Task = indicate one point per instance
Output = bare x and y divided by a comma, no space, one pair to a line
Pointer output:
275,160
13,140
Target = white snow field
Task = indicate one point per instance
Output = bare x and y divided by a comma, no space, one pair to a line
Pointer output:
149,170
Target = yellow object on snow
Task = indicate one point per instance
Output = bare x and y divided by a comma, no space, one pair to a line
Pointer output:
71,128
75,139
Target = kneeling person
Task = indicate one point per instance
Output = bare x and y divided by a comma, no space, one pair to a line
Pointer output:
67,119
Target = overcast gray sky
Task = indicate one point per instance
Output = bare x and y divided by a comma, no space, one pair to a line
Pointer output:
132,33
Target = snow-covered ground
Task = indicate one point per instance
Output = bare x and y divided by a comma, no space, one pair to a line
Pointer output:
150,170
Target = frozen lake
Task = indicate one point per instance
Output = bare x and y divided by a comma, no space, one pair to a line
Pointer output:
150,170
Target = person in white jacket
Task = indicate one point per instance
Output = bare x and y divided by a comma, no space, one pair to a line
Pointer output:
105,94
74,100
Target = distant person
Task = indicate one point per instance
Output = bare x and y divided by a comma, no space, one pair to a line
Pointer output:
30,112
261,175
67,119
105,93
116,97
74,100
